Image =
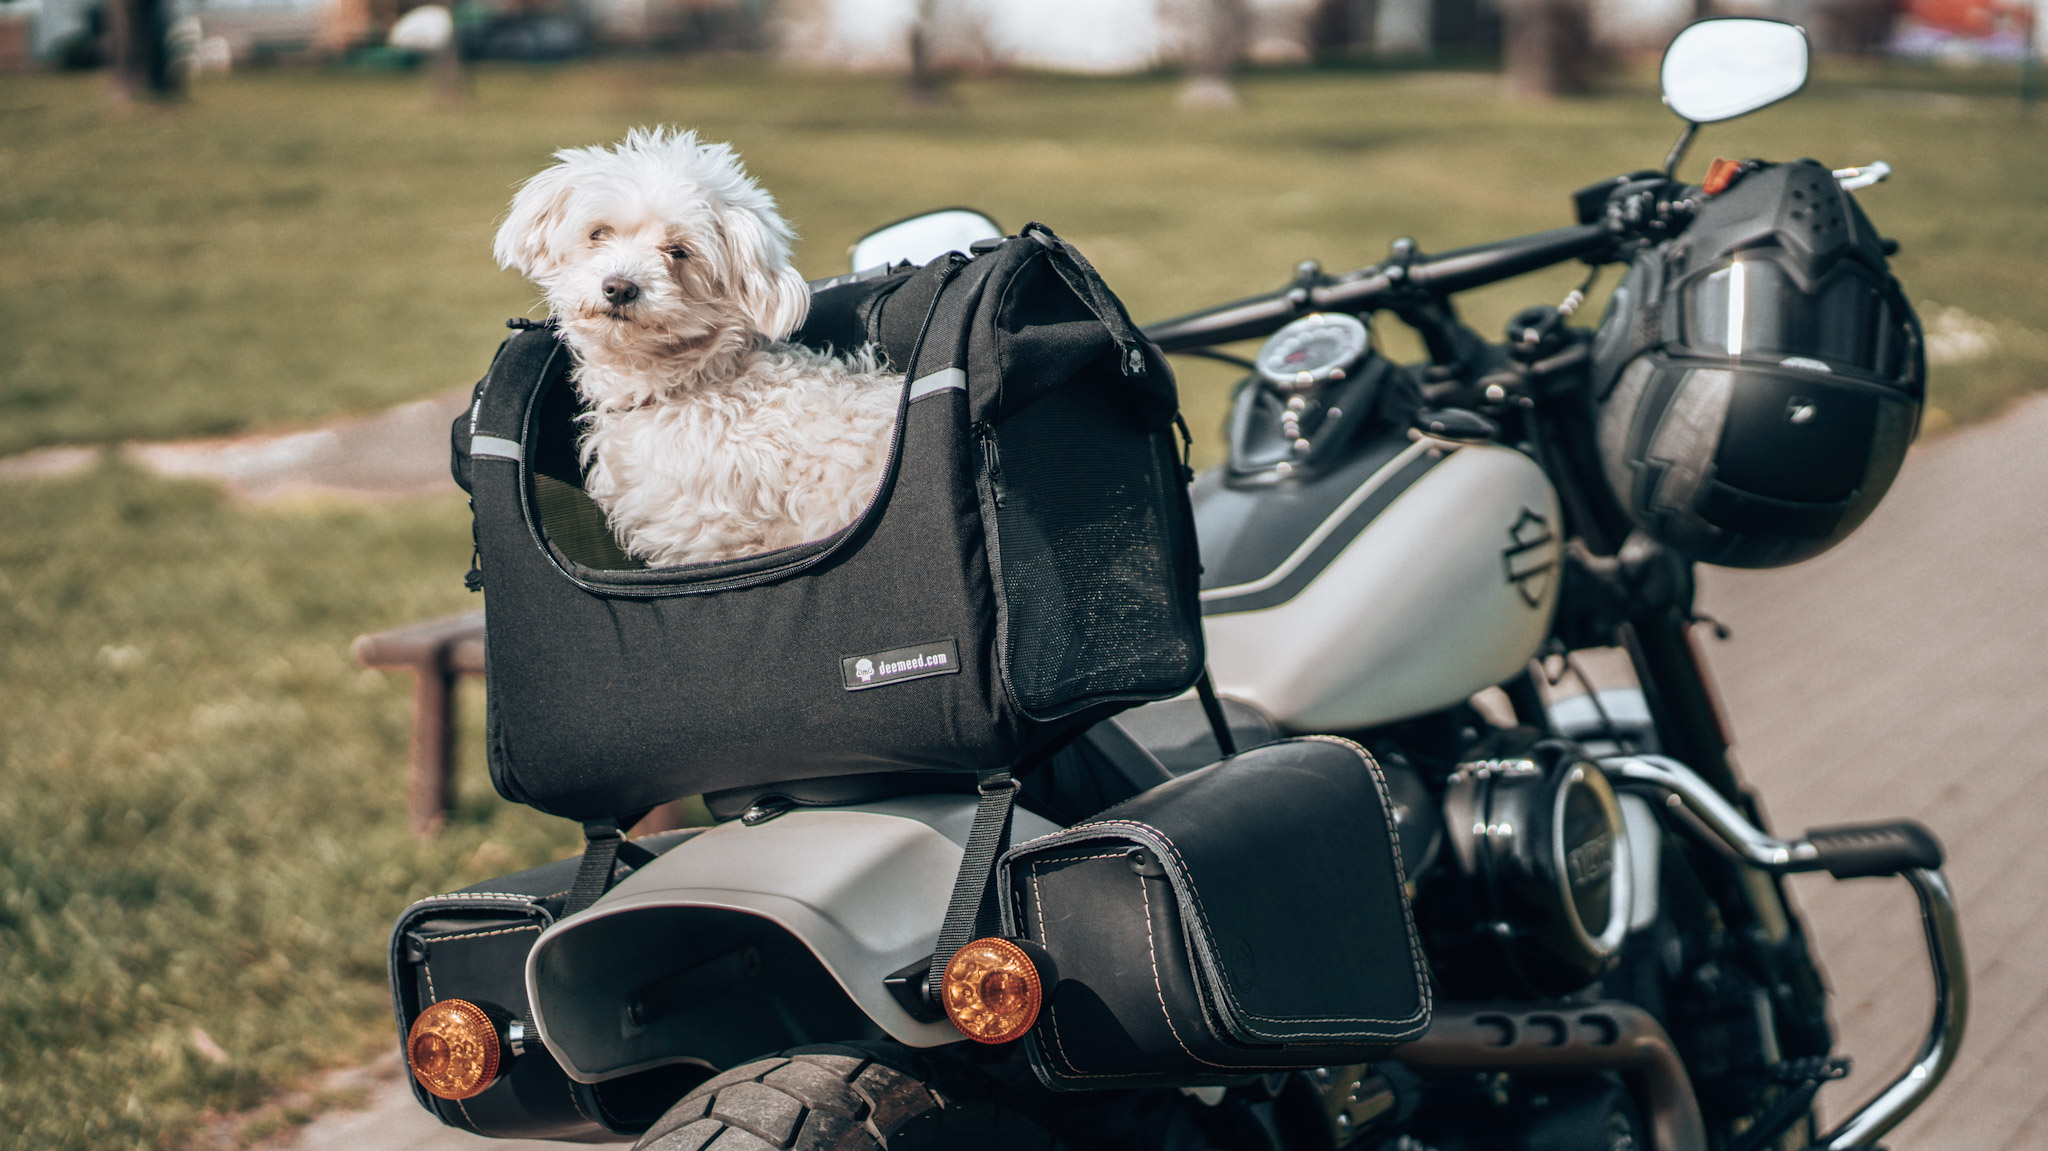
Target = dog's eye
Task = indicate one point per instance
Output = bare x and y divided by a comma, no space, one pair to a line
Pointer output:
676,252
600,233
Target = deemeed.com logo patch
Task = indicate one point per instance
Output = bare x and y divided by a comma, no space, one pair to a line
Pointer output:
939,657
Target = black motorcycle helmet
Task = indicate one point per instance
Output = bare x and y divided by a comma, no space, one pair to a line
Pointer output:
1759,377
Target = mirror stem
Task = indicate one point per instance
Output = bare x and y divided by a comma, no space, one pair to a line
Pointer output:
1678,149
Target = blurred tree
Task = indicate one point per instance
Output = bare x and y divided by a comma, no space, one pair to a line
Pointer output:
1220,28
1340,28
925,86
922,76
138,48
1547,46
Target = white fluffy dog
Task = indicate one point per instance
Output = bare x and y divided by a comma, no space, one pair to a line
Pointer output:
667,269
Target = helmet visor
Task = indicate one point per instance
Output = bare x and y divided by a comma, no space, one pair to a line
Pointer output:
1752,307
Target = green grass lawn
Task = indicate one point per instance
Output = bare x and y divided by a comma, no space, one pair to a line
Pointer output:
202,802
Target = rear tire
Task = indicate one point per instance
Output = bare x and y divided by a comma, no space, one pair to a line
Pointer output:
839,1098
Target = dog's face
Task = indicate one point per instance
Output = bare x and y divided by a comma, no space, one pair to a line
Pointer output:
661,247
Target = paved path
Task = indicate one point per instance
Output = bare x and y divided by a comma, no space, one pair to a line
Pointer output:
401,451
1903,674
392,1121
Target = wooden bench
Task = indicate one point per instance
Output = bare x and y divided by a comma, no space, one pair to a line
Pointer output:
436,652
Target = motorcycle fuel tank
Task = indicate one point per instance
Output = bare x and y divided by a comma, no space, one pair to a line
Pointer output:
1399,583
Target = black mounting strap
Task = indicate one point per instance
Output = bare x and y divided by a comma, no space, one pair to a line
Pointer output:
604,847
1226,743
975,909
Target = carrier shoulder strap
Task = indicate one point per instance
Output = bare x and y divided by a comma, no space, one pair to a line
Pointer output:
898,323
1219,723
943,318
495,422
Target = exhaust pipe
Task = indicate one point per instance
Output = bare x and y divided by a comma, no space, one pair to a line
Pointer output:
1603,1036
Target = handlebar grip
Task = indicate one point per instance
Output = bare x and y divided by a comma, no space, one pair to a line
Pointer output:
1859,850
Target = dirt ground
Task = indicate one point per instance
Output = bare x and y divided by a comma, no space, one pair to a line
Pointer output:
1901,674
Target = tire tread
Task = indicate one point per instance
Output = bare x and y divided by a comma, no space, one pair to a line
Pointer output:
810,1099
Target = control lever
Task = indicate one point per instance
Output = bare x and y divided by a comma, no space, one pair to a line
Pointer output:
1460,425
1876,172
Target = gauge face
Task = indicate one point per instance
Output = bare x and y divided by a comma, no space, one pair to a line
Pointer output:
1312,349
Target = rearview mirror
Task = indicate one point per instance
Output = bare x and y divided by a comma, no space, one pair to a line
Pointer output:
922,239
1724,67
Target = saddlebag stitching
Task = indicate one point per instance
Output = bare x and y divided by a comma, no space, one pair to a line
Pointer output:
1366,1027
1158,984
1379,783
1045,940
533,927
1194,894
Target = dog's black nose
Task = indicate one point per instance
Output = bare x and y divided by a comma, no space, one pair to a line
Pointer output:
620,290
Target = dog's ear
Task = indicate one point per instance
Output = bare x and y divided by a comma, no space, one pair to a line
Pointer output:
530,239
772,294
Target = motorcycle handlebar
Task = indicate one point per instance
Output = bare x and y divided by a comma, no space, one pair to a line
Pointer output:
1378,285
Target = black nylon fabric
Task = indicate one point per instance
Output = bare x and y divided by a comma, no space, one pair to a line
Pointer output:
606,704
614,690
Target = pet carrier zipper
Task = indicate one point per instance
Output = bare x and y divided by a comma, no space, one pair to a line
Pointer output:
473,579
992,461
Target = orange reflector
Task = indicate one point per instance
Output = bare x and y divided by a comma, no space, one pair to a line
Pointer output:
1720,174
453,1049
992,990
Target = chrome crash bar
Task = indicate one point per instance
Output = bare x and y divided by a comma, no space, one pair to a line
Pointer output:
1903,849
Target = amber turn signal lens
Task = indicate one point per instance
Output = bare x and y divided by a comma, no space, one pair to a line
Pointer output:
1720,175
992,989
453,1049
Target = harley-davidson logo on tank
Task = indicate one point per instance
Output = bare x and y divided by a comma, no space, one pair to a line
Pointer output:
1529,557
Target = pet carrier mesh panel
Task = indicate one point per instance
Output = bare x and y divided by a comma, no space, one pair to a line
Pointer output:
1026,568
1089,569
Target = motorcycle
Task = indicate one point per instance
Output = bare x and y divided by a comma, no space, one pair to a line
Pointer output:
1601,906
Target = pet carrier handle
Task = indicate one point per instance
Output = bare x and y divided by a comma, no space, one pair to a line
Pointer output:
1086,282
974,910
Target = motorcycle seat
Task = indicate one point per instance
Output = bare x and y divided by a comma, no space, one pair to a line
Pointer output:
1109,763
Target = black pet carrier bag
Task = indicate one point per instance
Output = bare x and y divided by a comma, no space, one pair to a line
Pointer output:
1026,567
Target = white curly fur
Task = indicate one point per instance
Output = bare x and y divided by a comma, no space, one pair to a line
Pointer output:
707,437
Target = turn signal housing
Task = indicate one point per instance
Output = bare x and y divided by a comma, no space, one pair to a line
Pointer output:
993,988
454,1049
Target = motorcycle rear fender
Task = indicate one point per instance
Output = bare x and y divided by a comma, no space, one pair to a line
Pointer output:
747,940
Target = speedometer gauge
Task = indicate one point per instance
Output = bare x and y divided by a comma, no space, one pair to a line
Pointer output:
1313,349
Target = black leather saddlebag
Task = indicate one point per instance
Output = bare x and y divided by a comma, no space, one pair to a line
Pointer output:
1244,918
472,944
